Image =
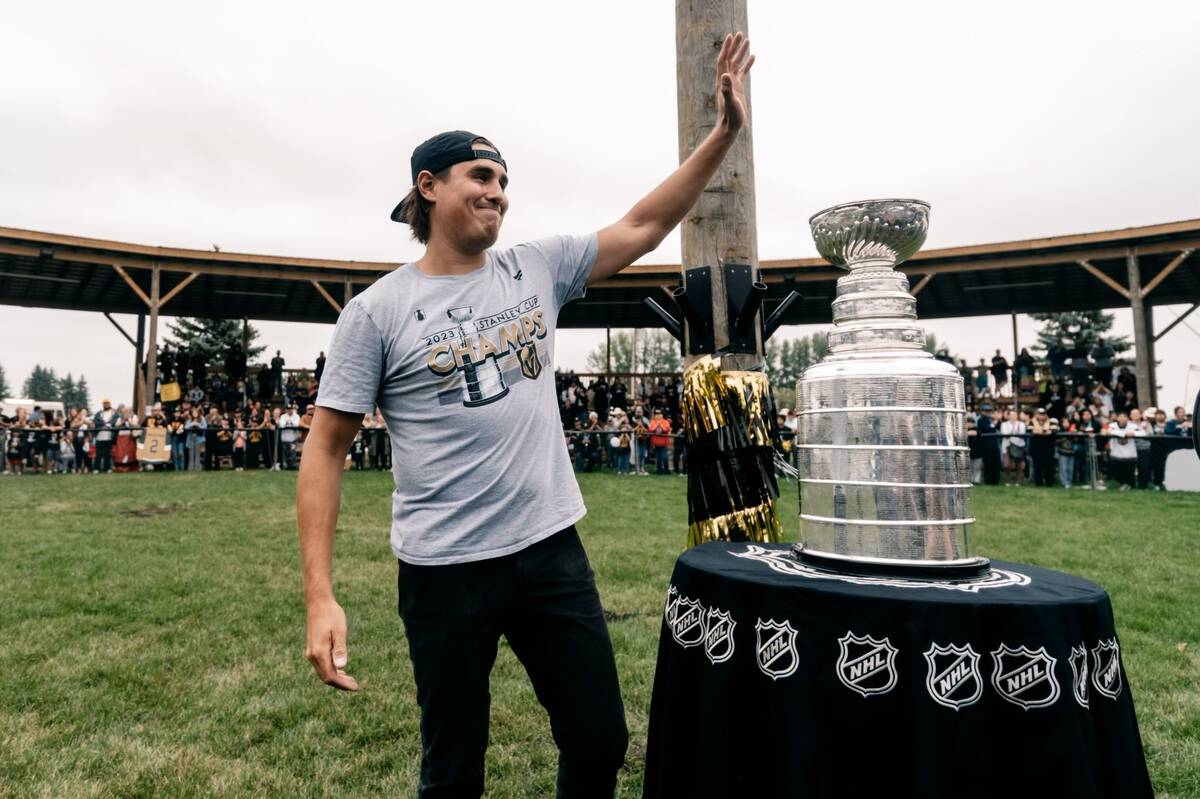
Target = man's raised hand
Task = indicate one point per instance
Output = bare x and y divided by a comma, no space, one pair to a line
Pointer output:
733,65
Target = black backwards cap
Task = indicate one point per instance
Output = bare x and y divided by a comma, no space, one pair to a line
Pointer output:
443,150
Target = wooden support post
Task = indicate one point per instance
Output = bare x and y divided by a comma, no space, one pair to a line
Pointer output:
347,292
1141,336
1149,311
721,226
152,346
132,285
608,350
138,383
1016,388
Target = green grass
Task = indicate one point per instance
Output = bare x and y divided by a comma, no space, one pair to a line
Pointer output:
151,628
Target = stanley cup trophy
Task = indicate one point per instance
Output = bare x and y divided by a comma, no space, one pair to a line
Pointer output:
483,381
885,471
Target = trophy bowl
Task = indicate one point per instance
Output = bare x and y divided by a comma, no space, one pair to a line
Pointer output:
880,233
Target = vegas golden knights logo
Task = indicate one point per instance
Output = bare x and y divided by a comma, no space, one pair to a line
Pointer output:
531,364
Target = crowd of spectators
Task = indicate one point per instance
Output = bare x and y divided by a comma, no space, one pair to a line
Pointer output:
622,427
1078,398
223,419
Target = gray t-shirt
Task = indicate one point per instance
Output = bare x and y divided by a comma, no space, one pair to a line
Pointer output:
462,368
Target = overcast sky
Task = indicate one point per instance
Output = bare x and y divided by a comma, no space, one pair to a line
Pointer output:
286,129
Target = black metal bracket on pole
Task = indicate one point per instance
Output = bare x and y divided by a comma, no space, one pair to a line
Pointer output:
777,316
743,304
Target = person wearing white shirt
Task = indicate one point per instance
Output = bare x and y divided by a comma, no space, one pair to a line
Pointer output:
289,432
1122,451
1014,448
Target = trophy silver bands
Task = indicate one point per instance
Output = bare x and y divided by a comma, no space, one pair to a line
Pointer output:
885,472
483,382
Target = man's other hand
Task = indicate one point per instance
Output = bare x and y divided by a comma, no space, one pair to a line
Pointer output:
326,645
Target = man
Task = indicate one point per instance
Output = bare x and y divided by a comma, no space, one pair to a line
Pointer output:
1041,447
999,371
289,424
1102,357
660,440
277,373
1122,451
1144,457
456,349
103,423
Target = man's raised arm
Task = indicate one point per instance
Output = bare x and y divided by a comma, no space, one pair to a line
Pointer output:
657,214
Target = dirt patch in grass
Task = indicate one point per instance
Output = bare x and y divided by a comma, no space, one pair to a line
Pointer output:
153,510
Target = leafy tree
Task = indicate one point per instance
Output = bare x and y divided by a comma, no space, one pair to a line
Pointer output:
933,346
657,351
212,337
4,389
1078,327
42,384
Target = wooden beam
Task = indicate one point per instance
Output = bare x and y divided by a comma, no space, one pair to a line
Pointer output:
328,297
136,289
178,288
1141,331
152,344
128,337
269,273
1171,326
1166,271
922,283
1105,279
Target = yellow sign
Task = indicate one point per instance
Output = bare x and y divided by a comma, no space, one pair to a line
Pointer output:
169,392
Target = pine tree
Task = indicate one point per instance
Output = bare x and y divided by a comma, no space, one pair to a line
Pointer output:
42,384
4,389
212,337
66,390
82,400
1078,328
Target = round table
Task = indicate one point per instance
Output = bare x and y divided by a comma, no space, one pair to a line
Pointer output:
775,679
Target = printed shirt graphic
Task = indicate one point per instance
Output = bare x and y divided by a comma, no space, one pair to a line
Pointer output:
462,369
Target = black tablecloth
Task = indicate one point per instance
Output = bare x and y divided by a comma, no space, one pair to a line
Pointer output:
775,679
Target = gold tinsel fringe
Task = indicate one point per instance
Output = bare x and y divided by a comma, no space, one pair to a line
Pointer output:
706,389
759,524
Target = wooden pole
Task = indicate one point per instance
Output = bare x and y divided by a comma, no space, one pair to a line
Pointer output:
1141,338
1016,389
721,226
152,346
608,350
138,384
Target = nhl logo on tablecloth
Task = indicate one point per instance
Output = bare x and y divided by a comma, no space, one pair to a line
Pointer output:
953,677
866,666
1079,674
672,605
775,645
1106,667
687,626
718,635
1025,676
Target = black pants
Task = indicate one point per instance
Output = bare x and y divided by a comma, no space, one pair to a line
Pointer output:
1143,467
991,465
1042,452
1121,470
542,599
104,456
